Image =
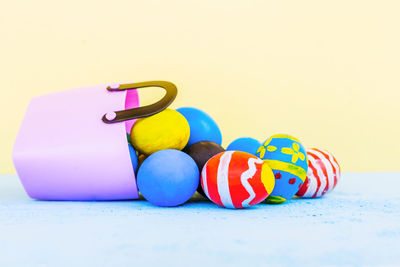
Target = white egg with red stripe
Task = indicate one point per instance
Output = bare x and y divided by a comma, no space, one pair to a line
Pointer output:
322,176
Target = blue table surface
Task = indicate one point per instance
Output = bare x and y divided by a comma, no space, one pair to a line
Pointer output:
358,224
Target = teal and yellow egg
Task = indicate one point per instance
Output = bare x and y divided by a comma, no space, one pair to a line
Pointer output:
287,158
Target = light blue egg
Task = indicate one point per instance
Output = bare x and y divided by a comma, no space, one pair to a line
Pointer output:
202,126
168,178
245,144
287,158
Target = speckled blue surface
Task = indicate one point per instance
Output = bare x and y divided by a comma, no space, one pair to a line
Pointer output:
358,224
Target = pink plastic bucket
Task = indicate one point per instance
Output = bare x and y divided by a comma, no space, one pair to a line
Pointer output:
72,145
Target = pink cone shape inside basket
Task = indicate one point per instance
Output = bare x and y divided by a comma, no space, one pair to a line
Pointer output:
64,151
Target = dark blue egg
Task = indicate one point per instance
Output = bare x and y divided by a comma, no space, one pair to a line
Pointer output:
202,126
168,178
134,157
245,144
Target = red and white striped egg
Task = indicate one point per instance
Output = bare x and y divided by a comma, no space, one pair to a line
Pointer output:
322,176
236,179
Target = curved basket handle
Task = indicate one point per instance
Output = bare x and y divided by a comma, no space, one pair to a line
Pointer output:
145,111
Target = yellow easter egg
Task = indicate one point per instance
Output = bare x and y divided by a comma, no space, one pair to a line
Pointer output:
167,129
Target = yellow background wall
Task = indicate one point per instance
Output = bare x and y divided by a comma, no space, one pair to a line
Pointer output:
326,72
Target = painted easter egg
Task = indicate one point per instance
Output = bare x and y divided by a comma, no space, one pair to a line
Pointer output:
288,160
167,129
245,144
236,179
201,152
322,176
202,126
168,178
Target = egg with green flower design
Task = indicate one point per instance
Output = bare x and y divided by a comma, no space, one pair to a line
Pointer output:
287,158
